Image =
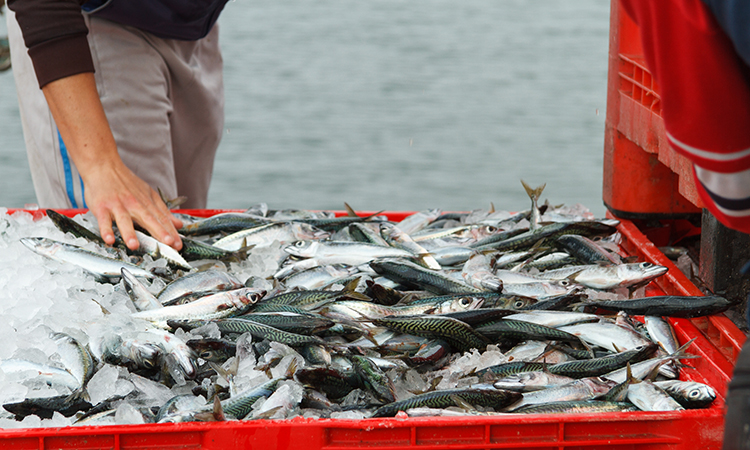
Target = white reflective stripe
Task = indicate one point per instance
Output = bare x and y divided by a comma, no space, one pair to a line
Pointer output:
734,213
709,155
734,186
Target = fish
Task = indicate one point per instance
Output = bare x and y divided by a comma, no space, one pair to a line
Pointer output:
460,336
665,305
587,250
264,235
374,378
402,271
197,284
689,394
240,325
150,246
214,306
576,407
609,276
398,239
579,389
531,381
494,398
534,194
102,267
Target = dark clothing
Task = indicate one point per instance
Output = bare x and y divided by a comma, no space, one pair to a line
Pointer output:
55,32
737,424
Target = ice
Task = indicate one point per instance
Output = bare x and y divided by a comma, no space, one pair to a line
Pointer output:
408,384
102,384
12,392
282,402
127,414
155,394
57,421
352,415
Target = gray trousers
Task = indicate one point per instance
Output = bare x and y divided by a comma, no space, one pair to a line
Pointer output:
164,100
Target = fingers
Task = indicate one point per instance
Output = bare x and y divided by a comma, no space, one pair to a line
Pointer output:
127,231
148,211
159,222
105,225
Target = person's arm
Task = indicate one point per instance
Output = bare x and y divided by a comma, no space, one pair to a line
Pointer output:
112,191
52,28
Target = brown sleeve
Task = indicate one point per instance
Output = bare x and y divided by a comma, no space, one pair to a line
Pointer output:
55,34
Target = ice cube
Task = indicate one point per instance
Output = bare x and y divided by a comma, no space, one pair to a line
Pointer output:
127,414
101,385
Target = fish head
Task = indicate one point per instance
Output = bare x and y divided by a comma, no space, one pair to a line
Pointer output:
462,304
639,273
307,232
302,248
39,245
700,394
247,296
142,355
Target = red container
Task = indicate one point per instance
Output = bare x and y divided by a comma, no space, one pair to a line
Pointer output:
643,176
718,342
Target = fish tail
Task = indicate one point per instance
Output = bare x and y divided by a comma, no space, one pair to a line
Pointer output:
533,194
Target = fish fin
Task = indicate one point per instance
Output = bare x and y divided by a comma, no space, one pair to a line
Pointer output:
461,403
171,203
291,369
535,193
629,378
653,374
218,410
349,210
492,208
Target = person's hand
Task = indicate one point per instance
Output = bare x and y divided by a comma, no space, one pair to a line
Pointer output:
113,192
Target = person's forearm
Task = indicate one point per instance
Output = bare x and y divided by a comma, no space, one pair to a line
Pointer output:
79,115
112,191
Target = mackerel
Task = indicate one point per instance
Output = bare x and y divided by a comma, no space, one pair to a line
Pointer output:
100,266
215,306
494,398
402,271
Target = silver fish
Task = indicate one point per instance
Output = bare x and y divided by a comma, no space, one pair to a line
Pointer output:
214,306
606,334
689,394
610,276
531,381
100,266
265,235
198,283
397,238
156,249
581,389
649,397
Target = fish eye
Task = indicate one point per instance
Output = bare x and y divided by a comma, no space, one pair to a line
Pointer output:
491,229
564,283
646,265
464,301
148,364
518,304
207,354
299,244
693,394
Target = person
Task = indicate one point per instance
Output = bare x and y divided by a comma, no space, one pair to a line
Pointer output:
119,99
4,46
698,51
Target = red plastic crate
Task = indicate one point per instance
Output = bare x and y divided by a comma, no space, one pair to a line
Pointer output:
718,343
643,176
